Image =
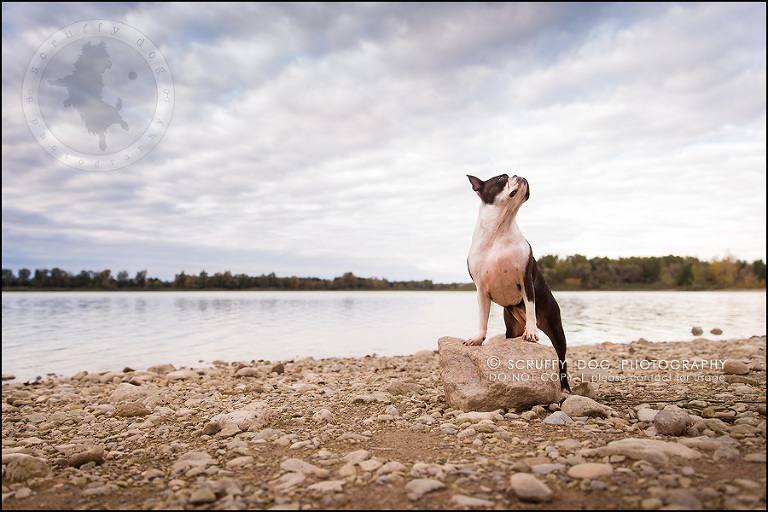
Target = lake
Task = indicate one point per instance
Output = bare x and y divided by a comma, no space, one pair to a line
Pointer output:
65,332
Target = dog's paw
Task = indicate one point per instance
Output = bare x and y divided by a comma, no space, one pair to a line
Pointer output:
473,342
530,336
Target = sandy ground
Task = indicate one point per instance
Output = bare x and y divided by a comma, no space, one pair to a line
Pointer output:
376,433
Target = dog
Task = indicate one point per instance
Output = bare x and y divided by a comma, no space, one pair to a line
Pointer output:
85,86
503,268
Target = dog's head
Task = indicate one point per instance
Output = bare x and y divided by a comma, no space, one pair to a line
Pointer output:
501,190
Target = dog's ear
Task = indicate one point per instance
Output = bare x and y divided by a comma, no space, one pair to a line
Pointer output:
477,183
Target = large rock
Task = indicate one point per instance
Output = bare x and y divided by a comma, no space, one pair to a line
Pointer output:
502,373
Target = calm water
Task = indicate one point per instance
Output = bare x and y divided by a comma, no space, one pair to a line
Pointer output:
65,332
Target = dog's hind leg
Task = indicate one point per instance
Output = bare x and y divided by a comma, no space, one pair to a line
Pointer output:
551,323
515,327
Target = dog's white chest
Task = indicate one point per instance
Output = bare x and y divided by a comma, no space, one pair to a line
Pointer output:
498,264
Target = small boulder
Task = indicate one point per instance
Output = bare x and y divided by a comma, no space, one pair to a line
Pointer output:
502,373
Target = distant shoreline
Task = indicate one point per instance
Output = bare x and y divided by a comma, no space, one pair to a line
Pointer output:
466,288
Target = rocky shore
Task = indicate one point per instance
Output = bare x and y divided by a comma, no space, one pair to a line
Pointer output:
651,426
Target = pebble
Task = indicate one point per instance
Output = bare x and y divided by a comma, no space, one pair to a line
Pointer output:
576,405
558,418
647,414
324,415
391,467
529,488
22,467
421,486
463,501
589,470
545,469
357,456
671,421
735,367
329,486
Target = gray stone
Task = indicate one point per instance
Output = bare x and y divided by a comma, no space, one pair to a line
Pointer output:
248,371
647,414
89,453
558,418
726,452
421,486
162,369
590,470
735,367
357,456
329,486
477,417
239,461
129,393
587,389
324,415
100,490
680,498
479,378
575,406
255,415
21,467
671,421
287,482
192,459
391,467
529,488
182,375
300,466
211,428
545,469
463,501
657,452
399,387
202,495
131,409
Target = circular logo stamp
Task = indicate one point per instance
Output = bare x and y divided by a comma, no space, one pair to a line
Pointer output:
98,95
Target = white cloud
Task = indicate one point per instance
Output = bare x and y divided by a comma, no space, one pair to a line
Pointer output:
316,139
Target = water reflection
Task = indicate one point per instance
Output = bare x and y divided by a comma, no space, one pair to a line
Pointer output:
69,332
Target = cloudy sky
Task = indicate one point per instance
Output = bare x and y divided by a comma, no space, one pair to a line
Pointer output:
319,139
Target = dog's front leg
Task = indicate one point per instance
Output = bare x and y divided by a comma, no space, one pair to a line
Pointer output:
531,330
484,306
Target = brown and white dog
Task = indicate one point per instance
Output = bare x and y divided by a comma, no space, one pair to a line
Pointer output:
502,265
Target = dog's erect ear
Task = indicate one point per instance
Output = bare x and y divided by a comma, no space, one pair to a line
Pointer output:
477,183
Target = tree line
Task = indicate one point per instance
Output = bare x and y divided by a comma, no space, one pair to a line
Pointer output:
575,272
667,272
58,279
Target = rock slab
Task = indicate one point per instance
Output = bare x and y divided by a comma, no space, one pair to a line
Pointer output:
502,373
